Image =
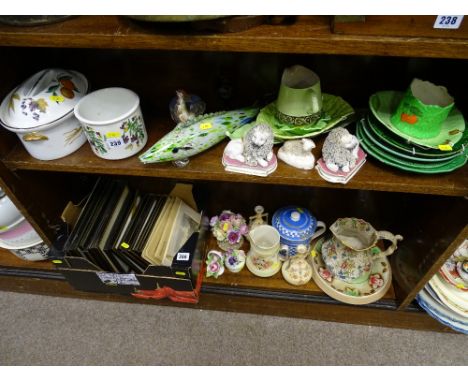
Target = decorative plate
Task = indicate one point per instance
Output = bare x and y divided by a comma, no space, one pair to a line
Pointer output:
383,104
398,143
441,313
382,145
335,110
422,168
22,236
367,292
450,273
454,298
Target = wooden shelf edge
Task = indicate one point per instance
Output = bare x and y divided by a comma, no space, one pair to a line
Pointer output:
308,35
207,166
209,301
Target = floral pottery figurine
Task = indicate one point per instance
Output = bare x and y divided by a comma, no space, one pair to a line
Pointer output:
185,107
214,264
340,150
262,259
365,292
197,134
297,153
234,260
296,270
296,225
229,229
350,253
253,153
259,218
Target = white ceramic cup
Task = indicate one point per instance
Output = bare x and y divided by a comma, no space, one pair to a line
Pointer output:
112,122
10,216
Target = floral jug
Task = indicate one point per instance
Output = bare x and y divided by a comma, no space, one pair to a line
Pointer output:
349,254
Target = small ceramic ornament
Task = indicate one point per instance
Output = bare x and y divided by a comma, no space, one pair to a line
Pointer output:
197,135
234,260
340,150
185,107
214,264
296,270
297,153
229,230
259,218
253,153
341,158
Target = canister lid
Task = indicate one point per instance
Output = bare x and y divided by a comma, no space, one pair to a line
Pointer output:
43,98
294,223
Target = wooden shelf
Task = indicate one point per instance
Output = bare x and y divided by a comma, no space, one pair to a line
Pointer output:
8,259
207,166
416,320
308,34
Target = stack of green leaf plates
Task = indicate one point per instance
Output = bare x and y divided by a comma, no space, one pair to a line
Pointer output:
381,143
335,112
383,104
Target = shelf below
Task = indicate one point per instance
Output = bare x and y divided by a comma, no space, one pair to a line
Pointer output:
207,166
307,34
416,320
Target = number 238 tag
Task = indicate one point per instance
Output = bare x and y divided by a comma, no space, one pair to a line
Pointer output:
448,22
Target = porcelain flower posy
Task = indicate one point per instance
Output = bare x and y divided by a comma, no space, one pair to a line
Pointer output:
229,226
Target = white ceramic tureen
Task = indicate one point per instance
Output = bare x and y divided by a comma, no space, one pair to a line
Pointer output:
40,112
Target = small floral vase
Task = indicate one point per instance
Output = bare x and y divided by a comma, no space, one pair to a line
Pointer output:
225,245
234,260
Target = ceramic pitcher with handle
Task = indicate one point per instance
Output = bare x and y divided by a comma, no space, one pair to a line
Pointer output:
349,254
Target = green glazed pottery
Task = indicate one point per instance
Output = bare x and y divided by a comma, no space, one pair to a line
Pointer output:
422,110
408,165
374,139
384,103
334,110
392,140
300,98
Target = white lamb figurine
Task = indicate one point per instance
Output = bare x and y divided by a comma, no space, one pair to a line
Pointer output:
340,150
235,149
297,153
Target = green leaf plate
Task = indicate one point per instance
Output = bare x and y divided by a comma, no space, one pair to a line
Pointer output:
368,133
335,110
397,143
384,103
420,168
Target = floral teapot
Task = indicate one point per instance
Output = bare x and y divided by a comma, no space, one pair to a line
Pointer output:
349,254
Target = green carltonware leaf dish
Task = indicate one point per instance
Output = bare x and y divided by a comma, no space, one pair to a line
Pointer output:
335,110
383,104
368,133
386,136
420,168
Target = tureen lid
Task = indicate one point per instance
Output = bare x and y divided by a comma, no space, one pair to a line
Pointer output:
294,223
43,98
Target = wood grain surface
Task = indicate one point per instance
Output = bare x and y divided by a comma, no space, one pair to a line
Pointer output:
208,166
308,34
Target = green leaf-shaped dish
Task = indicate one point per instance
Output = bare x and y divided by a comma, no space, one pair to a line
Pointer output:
335,110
